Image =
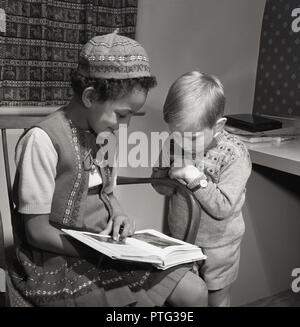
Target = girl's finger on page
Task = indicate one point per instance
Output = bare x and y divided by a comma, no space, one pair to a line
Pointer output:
116,228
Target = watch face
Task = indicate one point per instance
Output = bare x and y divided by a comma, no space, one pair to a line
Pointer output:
203,183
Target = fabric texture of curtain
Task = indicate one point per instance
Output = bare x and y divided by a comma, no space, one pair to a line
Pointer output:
40,42
278,72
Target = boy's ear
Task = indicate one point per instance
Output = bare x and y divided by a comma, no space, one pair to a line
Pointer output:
220,124
88,96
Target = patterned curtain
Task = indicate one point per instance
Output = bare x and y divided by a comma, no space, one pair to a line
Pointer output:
40,42
278,72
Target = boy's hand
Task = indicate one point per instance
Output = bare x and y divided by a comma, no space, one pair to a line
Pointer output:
120,226
185,175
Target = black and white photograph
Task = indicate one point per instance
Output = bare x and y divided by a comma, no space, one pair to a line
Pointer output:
150,156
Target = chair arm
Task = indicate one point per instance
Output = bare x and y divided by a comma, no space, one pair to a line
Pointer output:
2,265
194,207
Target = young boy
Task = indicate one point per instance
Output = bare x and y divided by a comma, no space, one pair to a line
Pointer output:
60,184
195,104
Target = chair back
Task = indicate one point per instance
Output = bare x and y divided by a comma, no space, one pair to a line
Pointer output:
13,119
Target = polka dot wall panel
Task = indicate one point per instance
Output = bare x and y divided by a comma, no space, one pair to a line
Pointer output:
278,76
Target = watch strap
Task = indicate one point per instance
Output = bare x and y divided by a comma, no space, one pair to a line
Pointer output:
195,185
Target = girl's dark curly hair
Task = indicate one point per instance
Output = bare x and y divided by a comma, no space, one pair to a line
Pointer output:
110,89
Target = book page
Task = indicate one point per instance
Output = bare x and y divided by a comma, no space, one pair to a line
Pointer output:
114,249
144,246
159,243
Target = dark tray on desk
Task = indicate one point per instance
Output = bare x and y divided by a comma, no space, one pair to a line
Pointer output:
253,123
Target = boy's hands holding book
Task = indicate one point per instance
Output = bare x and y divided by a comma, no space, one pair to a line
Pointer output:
120,227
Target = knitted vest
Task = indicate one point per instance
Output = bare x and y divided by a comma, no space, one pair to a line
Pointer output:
71,184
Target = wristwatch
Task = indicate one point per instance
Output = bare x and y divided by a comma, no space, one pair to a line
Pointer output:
197,183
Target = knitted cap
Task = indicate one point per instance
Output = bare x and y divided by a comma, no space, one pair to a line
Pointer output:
113,56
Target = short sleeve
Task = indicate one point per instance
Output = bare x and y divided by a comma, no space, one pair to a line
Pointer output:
36,161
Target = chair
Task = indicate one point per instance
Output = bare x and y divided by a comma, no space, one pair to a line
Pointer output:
17,120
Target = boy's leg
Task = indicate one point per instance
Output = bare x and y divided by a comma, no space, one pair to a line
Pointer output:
191,291
219,298
219,271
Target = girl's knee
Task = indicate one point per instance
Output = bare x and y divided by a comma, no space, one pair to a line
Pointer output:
220,298
198,293
190,292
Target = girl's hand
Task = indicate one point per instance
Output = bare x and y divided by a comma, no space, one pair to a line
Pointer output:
120,226
185,175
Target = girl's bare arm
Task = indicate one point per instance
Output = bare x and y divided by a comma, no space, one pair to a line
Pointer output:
42,235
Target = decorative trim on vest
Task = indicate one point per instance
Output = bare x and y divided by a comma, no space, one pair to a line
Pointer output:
71,184
75,144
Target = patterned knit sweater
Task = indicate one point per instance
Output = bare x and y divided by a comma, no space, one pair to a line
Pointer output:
227,166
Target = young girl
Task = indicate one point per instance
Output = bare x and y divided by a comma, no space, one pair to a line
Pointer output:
58,184
217,175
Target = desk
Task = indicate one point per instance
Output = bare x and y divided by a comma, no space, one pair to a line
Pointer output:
270,249
284,157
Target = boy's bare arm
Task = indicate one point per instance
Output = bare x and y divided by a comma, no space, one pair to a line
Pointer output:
42,235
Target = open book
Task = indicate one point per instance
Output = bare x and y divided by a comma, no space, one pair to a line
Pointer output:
146,245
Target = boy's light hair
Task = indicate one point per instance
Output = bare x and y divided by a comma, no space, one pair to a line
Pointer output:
195,100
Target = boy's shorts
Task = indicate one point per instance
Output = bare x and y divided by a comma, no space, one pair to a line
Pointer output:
221,267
